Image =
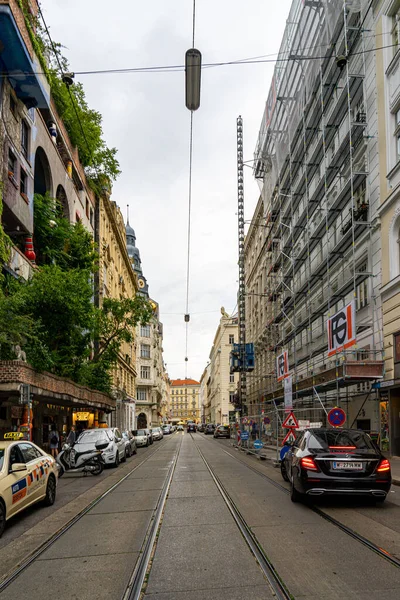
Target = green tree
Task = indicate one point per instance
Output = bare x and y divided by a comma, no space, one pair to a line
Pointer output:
113,324
57,240
60,304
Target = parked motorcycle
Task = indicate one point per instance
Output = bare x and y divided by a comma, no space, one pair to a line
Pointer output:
90,461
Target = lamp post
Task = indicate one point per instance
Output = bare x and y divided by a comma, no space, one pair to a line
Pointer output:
192,78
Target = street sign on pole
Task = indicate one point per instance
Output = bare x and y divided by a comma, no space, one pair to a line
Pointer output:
290,422
290,437
288,393
244,436
258,444
336,417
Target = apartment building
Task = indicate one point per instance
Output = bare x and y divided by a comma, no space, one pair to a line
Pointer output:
185,404
313,249
386,29
116,279
221,384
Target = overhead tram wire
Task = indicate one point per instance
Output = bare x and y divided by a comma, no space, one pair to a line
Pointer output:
180,68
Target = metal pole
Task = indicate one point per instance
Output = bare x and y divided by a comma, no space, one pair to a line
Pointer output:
242,284
322,404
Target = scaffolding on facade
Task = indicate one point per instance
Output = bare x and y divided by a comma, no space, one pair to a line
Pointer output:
313,162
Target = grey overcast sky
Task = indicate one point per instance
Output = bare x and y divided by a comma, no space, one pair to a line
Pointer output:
145,117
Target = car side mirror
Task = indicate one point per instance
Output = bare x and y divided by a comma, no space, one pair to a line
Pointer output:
100,445
17,467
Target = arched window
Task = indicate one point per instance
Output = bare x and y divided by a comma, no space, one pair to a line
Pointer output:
42,180
63,202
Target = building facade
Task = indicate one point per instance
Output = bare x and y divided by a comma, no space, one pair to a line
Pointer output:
116,279
313,250
37,157
185,402
205,401
386,29
221,384
151,391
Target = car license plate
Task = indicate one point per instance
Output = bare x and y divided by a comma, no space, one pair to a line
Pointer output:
356,466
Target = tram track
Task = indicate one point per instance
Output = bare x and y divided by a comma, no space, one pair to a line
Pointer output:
350,532
28,561
277,586
134,590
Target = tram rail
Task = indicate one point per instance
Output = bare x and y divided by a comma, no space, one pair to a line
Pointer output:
350,532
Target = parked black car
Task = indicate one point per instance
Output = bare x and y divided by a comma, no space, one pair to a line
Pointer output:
209,429
337,462
201,427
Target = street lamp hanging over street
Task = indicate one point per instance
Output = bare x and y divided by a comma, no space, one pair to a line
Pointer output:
193,78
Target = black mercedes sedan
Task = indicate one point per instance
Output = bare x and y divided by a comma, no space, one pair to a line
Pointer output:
344,462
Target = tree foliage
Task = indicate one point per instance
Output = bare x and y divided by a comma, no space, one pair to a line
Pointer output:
84,125
56,240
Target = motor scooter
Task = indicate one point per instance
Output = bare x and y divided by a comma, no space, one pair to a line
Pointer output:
91,461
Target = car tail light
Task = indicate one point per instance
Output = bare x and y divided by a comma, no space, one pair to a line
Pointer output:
384,466
342,448
308,463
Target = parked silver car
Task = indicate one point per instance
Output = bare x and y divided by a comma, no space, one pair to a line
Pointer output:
130,444
157,433
141,437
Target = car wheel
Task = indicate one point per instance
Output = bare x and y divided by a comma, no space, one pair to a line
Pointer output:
2,518
295,496
284,472
147,444
50,491
123,459
116,462
135,450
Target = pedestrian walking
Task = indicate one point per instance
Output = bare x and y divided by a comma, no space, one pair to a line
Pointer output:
54,440
71,437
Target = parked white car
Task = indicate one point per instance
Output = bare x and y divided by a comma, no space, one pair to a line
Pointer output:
141,437
157,433
130,444
115,451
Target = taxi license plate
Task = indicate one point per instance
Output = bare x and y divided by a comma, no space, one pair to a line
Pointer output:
356,466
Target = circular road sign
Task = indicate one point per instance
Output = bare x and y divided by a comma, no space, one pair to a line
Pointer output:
336,417
267,420
258,444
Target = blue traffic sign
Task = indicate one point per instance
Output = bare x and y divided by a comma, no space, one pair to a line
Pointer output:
336,417
258,444
283,452
244,435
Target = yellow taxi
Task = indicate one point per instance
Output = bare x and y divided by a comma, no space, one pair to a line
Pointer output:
27,475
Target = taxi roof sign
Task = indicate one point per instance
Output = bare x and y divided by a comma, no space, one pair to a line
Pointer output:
13,435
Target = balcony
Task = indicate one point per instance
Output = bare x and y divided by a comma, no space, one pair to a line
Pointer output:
18,60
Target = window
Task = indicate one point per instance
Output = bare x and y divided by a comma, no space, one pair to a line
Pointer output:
29,452
141,395
397,134
24,138
145,372
23,182
144,351
15,455
91,216
396,347
145,330
11,163
87,208
232,378
395,31
232,397
362,289
231,339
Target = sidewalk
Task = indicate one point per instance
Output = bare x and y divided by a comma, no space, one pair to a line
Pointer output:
269,453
